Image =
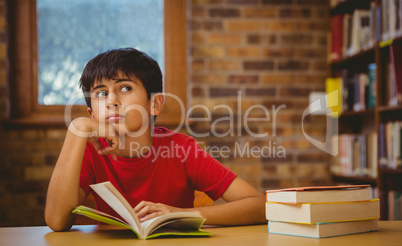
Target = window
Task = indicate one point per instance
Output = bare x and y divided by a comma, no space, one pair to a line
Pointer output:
72,32
27,108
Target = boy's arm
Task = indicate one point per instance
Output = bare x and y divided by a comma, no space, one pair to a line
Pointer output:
64,193
244,205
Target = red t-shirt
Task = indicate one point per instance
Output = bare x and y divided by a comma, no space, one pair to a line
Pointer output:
168,173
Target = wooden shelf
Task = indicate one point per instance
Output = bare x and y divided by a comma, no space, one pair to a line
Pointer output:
354,180
385,109
397,171
366,57
357,113
391,179
349,5
385,44
388,114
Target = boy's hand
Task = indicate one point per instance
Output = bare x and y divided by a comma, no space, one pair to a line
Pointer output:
149,210
94,130
113,143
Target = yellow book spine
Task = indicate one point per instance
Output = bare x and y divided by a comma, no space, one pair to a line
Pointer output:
334,96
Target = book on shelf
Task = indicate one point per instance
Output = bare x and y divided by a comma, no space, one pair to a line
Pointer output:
357,155
395,77
177,223
374,24
314,194
324,212
322,230
357,90
336,38
391,144
346,34
361,31
394,205
334,92
372,155
391,91
385,35
348,91
371,89
353,32
360,81
391,13
382,152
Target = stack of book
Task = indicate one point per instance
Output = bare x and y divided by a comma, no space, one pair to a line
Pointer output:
324,211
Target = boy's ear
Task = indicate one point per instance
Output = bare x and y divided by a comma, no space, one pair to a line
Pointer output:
157,102
91,114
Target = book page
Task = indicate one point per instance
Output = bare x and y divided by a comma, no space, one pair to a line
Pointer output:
118,203
83,208
182,220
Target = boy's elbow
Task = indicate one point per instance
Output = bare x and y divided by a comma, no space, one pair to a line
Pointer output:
56,223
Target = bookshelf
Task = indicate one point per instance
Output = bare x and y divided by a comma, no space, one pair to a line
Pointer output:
370,116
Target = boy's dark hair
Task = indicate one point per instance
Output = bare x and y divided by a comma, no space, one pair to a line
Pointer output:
130,62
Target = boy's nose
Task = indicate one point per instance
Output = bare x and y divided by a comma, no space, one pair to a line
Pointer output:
112,101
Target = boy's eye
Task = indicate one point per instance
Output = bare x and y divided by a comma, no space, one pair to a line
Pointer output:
125,88
101,94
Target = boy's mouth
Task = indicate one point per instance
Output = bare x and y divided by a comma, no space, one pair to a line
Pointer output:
114,117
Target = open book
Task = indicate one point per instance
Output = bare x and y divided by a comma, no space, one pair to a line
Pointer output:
177,223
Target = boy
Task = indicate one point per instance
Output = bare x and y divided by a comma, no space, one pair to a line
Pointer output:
117,143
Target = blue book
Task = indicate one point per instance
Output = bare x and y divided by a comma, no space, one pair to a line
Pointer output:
372,71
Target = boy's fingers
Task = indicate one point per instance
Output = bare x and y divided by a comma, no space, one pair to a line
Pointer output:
114,143
149,216
107,151
149,210
144,208
139,206
97,145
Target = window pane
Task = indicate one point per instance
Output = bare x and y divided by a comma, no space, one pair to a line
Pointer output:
71,32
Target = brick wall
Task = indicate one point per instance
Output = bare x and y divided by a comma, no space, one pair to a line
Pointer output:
255,55
268,52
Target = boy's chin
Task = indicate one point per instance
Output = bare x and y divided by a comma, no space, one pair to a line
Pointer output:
123,130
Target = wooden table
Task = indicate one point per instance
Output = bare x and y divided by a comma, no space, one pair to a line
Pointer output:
390,233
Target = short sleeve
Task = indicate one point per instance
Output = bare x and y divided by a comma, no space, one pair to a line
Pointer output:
87,176
206,173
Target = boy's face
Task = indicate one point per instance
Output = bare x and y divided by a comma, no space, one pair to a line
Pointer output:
121,102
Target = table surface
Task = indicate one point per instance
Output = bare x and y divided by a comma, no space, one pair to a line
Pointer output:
390,233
